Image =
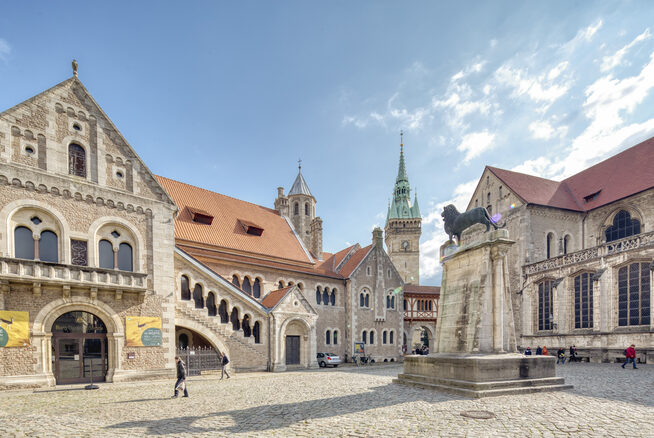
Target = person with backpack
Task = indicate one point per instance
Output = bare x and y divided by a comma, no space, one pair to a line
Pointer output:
180,384
630,355
224,361
560,356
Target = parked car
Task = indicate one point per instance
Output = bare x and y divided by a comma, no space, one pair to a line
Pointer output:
325,359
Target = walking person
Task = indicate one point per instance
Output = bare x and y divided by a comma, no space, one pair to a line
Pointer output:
224,362
180,384
560,356
630,354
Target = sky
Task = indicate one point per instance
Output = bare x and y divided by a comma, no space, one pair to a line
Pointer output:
229,95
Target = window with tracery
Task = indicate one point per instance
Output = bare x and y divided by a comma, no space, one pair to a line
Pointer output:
76,160
545,305
634,295
583,301
623,226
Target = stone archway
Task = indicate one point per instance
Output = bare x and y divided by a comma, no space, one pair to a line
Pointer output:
192,326
421,334
296,345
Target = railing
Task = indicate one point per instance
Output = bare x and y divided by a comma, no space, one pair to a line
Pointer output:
199,359
420,314
610,248
47,272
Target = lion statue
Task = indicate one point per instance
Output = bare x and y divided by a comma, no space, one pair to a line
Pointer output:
455,223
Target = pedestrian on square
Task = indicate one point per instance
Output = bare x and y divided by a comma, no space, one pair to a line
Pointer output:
224,360
573,354
560,356
180,384
545,352
539,351
528,351
630,354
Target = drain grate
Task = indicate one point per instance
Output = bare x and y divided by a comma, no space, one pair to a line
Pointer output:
478,415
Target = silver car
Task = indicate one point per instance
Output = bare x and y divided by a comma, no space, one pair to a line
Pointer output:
325,359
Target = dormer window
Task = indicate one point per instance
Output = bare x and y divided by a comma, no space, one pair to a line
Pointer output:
251,228
592,196
200,216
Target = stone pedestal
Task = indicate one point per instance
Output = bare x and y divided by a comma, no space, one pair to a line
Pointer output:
475,352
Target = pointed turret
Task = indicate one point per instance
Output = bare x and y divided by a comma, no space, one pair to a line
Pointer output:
401,204
300,186
300,206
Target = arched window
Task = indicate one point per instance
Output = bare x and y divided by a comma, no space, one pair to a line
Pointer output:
388,301
197,296
634,295
372,337
325,296
247,286
306,209
361,300
256,332
236,323
318,295
367,300
404,304
328,337
584,301
24,243
549,245
545,305
183,341
332,297
246,326
488,198
256,290
185,289
623,226
566,244
384,337
76,160
364,337
281,284
222,311
106,254
235,281
125,257
211,304
48,247
335,337
390,335
296,209
393,302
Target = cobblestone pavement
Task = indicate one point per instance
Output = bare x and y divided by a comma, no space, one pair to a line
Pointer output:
606,401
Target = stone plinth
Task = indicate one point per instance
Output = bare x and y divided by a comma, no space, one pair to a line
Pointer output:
475,353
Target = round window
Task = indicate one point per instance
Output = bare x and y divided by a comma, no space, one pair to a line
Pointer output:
119,174
29,149
77,127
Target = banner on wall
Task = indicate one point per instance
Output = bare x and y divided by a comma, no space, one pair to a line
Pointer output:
143,331
14,328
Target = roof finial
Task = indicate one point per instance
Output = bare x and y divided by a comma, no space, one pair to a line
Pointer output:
75,67
401,141
299,164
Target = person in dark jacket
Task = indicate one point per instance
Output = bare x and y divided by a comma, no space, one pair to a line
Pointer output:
539,351
630,354
224,361
181,377
560,356
528,351
573,354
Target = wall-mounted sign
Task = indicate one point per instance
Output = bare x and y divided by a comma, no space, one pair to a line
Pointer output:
14,328
131,355
359,348
143,331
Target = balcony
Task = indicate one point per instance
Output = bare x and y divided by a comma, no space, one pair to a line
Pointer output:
420,315
42,273
596,252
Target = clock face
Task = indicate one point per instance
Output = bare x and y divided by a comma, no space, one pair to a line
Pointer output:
405,245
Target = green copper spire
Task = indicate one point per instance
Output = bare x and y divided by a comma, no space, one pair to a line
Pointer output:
400,207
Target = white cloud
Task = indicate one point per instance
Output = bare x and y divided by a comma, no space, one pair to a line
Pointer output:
584,35
5,50
543,130
610,62
475,143
542,88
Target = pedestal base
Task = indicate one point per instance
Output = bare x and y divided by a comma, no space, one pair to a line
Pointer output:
479,376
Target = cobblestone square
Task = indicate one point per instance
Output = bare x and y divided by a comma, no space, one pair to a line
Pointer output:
606,401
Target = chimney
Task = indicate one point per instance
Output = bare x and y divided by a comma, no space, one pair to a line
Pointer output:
281,203
316,238
378,237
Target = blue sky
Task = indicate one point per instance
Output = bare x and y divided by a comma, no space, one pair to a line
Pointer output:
228,95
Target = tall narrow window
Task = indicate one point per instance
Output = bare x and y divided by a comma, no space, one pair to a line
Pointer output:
106,254
125,259
388,301
393,302
76,160
306,209
247,287
318,295
256,332
197,296
185,289
390,335
566,244
236,324
361,300
404,304
325,296
235,281
372,337
583,301
328,337
623,226
634,295
281,284
545,305
24,243
367,300
549,244
364,337
48,247
384,337
256,289
247,331
296,209
332,297
335,337
222,311
211,304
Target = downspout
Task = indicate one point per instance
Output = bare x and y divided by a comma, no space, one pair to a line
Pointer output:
583,231
270,363
348,320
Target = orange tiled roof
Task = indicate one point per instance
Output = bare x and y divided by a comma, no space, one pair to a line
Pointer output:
354,261
275,297
278,239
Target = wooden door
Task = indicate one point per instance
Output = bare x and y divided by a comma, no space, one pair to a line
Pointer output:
292,350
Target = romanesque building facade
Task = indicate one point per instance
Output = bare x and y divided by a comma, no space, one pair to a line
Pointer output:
581,268
107,270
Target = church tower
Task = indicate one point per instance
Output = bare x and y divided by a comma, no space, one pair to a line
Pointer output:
300,207
403,227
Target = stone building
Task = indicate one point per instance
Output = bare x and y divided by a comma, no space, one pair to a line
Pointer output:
107,270
581,266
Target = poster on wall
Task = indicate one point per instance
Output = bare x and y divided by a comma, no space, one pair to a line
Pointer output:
14,328
143,331
359,348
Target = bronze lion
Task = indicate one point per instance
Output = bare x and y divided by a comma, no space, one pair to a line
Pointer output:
455,223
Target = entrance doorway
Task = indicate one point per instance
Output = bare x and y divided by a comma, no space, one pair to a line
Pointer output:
79,348
292,350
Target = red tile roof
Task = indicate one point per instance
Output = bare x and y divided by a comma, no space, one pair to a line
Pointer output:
354,261
275,297
423,290
278,239
615,178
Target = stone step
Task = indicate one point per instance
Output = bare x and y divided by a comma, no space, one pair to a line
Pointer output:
484,386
